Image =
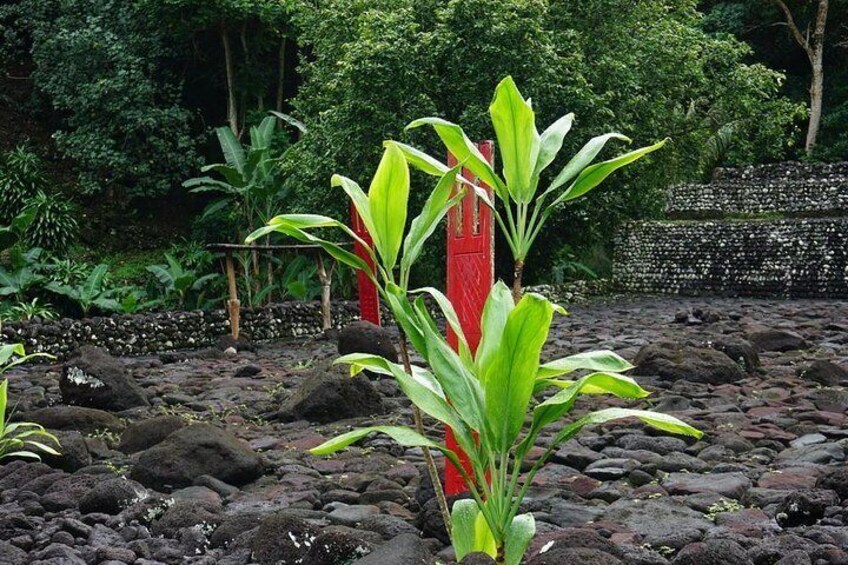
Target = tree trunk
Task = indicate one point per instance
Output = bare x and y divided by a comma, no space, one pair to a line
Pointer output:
816,95
232,111
281,75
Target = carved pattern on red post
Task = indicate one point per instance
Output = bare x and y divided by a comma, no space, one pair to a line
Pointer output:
471,274
369,299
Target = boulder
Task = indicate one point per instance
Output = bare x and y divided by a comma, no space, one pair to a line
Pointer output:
805,508
76,418
731,485
111,496
672,361
406,548
365,337
670,522
777,340
823,372
328,394
284,539
562,555
836,481
95,379
335,547
712,552
73,449
186,514
200,449
147,433
738,349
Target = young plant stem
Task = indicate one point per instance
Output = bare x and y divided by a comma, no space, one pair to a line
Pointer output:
428,457
516,281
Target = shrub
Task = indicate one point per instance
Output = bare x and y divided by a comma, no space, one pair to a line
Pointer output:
53,225
21,178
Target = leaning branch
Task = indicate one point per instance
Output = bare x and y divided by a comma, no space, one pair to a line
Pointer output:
793,27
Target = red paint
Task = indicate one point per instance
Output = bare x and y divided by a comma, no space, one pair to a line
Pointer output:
471,275
369,300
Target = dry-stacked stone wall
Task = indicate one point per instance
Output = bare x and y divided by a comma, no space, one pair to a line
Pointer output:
168,331
775,230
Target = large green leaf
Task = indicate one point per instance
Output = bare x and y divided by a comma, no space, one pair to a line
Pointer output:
463,517
459,383
360,202
551,143
518,537
510,377
559,404
423,226
420,160
291,120
233,151
594,175
389,198
657,420
515,126
498,305
583,158
603,360
451,317
463,150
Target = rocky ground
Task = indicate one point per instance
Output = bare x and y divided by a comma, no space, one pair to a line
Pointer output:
199,457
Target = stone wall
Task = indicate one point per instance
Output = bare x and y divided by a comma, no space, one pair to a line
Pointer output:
794,190
168,331
775,230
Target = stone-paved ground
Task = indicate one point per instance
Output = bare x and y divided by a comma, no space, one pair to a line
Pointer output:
766,485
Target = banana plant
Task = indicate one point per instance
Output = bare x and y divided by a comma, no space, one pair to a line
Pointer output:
492,399
525,154
91,293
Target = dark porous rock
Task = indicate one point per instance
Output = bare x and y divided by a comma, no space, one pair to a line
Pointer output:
283,539
660,521
836,481
11,555
672,361
796,557
247,371
73,451
336,547
66,493
200,449
365,337
575,556
731,485
830,399
805,508
232,527
777,340
478,558
147,433
406,548
573,538
772,550
77,418
95,379
738,349
712,552
329,394
243,343
111,496
186,514
823,372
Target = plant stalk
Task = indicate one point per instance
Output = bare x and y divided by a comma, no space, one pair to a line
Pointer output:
516,281
432,470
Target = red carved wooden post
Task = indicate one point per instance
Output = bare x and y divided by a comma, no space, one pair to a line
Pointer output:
471,275
369,300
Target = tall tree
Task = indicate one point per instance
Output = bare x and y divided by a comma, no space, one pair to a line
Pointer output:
812,42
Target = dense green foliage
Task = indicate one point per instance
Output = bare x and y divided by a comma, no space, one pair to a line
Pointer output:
645,69
133,91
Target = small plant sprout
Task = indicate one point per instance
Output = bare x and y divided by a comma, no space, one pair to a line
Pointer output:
493,398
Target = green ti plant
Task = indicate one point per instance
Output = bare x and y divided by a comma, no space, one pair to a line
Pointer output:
20,439
93,292
179,283
525,154
491,399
